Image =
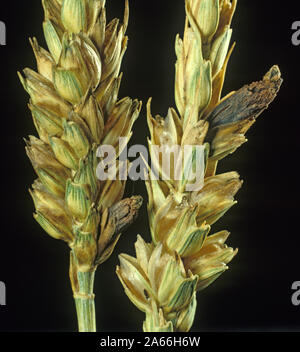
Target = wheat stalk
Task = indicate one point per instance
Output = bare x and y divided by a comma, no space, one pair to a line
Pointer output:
75,108
182,259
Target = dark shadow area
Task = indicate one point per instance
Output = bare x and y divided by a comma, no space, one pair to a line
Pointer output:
255,293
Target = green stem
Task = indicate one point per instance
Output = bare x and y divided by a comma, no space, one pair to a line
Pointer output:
82,286
85,302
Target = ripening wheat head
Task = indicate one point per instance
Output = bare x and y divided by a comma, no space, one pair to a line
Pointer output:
182,259
75,108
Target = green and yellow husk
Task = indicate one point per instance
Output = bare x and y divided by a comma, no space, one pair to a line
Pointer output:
75,108
183,258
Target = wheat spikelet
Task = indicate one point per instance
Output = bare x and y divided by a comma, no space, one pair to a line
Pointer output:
182,259
75,108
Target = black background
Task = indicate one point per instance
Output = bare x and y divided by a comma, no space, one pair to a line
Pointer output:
255,294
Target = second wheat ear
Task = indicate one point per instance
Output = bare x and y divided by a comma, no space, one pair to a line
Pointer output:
75,108
182,259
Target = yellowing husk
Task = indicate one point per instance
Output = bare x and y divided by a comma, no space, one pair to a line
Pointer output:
157,276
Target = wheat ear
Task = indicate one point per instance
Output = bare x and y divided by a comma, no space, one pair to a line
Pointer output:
182,259
75,108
